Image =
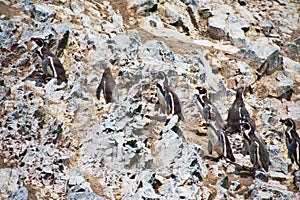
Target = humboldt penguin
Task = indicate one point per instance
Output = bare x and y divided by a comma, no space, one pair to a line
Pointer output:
292,140
217,139
237,113
259,155
50,63
108,85
168,98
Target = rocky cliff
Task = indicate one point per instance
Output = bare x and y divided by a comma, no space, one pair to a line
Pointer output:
61,142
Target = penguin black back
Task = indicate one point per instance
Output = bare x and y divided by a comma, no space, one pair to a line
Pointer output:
108,85
50,63
237,112
258,153
168,98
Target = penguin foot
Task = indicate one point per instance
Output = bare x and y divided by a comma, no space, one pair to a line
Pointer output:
212,158
239,168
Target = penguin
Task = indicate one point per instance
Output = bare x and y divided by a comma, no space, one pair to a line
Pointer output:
168,98
237,112
259,155
292,140
207,109
108,85
217,139
50,63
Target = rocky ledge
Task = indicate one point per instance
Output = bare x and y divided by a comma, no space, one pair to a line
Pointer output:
58,141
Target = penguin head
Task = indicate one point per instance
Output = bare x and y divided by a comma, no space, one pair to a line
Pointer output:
161,75
201,90
246,128
288,122
38,41
241,92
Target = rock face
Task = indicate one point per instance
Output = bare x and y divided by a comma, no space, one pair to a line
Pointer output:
60,142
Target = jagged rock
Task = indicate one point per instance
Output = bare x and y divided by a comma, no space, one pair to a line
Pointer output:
222,193
279,176
261,175
193,12
84,196
235,185
277,163
77,8
77,182
156,52
224,182
273,63
236,31
293,49
152,20
258,51
297,179
42,13
143,6
191,2
268,29
10,184
20,194
216,28
263,195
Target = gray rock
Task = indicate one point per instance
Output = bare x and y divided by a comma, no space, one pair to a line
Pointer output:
156,52
279,176
268,29
224,182
273,63
191,2
143,6
216,28
264,195
84,196
43,13
297,179
222,193
234,185
77,8
193,12
20,194
277,162
261,175
77,182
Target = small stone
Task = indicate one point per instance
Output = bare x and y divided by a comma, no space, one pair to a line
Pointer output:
20,194
216,28
42,13
235,185
279,176
143,6
268,29
261,175
77,8
273,63
224,182
84,196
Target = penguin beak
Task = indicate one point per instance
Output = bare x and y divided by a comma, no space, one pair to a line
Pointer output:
282,121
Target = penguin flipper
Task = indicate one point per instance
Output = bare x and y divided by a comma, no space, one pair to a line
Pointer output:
156,106
206,113
209,147
99,88
229,153
292,149
253,152
168,103
45,64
